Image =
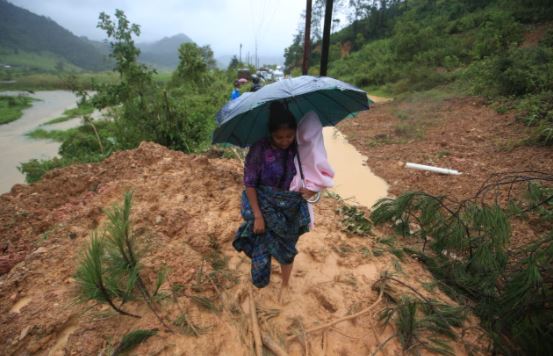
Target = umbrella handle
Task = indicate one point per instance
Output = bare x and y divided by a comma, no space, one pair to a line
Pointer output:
318,195
299,165
316,199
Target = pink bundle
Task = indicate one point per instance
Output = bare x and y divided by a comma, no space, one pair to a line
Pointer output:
318,174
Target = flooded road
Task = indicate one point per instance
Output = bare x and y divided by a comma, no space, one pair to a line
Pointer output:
15,147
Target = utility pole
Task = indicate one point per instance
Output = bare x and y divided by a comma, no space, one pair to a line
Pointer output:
326,37
256,61
240,52
307,39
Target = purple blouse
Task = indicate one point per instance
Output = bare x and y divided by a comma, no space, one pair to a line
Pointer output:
270,166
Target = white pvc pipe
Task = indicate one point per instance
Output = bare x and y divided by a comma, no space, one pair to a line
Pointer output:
424,167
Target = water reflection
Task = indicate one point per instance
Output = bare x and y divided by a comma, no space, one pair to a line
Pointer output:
354,180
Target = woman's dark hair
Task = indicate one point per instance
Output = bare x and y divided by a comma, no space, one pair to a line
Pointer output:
280,117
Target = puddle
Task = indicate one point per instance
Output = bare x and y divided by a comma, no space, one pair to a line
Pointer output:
20,305
354,180
379,99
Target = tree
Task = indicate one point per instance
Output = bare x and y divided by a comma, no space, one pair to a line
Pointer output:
207,54
234,64
135,78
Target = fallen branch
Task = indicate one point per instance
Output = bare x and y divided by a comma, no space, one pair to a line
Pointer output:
273,346
255,325
349,317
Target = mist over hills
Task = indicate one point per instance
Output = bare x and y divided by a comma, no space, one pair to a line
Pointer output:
22,30
31,41
163,53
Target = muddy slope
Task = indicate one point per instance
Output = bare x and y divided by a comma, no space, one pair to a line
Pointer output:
185,213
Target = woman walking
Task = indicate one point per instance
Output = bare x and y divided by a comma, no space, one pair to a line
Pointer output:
274,216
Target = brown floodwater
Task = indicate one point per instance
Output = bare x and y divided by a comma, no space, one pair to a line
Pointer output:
353,181
16,148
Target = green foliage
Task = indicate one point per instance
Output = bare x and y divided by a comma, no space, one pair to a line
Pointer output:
29,61
11,107
85,109
407,46
54,135
93,279
132,340
80,145
527,292
35,169
194,64
179,116
111,267
354,221
177,113
498,33
510,289
420,323
536,111
32,80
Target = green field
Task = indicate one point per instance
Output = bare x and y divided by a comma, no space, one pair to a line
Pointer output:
11,107
67,80
55,135
71,114
44,61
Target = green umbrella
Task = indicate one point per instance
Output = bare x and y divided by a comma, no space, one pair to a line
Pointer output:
243,121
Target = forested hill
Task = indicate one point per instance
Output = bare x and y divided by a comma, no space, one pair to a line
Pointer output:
498,49
21,30
163,53
418,44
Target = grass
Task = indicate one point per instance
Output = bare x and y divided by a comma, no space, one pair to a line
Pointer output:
72,113
29,80
435,95
43,61
54,135
379,91
163,76
354,221
11,107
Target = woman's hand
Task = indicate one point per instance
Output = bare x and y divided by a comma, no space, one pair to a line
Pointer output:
259,226
306,193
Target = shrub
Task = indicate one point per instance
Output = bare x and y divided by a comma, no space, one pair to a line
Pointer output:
510,289
498,33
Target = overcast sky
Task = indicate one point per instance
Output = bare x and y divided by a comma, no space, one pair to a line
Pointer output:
223,24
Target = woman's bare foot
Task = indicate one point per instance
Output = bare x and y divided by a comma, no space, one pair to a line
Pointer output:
284,295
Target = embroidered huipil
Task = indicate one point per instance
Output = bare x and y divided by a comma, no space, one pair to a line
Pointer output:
266,165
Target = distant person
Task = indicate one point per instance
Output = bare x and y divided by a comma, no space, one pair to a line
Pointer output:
256,83
235,91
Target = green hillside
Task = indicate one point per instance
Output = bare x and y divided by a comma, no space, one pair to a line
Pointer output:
163,53
500,49
35,61
28,38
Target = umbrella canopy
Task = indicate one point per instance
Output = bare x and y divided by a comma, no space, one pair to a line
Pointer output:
244,121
